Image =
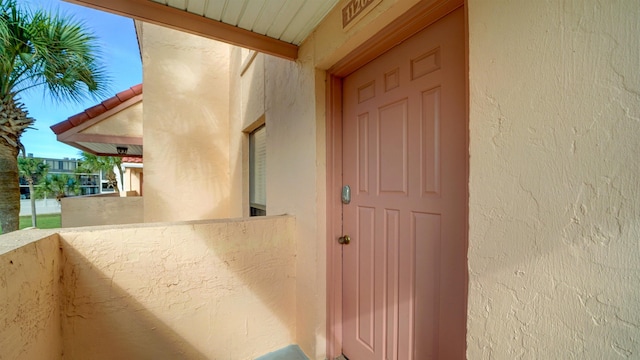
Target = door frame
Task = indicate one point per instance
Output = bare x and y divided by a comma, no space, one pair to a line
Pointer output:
417,18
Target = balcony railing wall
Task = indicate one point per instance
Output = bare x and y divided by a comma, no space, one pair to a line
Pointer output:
209,289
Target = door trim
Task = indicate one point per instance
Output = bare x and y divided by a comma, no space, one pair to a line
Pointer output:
410,23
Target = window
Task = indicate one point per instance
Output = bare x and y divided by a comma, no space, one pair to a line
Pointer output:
257,172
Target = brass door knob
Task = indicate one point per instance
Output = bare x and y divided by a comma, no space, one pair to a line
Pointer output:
344,240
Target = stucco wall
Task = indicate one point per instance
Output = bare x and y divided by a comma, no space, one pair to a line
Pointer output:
329,42
133,180
186,126
127,122
101,210
283,94
29,292
247,110
292,185
44,206
198,290
555,137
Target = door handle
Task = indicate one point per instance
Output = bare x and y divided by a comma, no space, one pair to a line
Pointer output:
344,240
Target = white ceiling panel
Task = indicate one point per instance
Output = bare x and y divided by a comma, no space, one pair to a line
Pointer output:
284,18
288,20
306,20
251,13
269,12
212,10
232,12
100,148
196,6
178,4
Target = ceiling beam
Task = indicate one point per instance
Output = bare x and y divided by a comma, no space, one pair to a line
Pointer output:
155,13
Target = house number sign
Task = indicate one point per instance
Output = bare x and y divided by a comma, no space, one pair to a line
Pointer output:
354,8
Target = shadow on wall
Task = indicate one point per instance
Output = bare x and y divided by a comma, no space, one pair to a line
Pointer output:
193,290
263,258
188,133
100,320
201,171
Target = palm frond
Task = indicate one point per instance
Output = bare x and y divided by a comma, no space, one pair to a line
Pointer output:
50,50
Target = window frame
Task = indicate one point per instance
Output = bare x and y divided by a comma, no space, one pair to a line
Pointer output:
257,208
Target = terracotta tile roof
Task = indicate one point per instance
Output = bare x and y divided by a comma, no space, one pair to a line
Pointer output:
129,159
96,110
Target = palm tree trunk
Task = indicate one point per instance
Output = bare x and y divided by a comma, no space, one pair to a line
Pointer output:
9,188
32,196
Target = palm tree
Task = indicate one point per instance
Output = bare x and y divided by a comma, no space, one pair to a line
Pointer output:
108,165
32,170
45,51
58,185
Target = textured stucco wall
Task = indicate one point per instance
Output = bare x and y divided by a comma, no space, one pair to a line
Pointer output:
186,126
133,180
283,94
127,122
554,142
101,210
199,290
292,187
329,42
246,112
29,292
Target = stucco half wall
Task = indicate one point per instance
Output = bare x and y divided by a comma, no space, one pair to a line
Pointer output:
30,317
555,136
222,289
101,210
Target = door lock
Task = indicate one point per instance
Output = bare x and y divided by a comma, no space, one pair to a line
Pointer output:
344,240
346,194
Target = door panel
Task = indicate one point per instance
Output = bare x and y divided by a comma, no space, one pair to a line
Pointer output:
404,154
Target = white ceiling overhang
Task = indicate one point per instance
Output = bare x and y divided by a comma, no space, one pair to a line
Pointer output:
274,27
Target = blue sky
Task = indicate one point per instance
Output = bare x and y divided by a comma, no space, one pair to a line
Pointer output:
119,46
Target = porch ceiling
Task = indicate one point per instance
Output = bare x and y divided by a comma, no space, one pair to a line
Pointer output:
275,27
73,131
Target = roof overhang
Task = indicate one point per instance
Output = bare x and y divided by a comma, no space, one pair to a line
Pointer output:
274,27
111,128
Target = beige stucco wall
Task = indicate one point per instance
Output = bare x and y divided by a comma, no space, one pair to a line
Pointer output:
127,122
186,153
196,290
282,94
30,326
329,43
101,210
247,110
133,180
292,186
553,212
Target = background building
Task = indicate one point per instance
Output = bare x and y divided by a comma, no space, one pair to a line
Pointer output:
90,183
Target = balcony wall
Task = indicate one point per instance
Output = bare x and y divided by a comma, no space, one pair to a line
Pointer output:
195,290
30,323
96,210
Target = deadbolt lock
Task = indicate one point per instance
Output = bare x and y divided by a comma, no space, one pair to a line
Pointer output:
344,240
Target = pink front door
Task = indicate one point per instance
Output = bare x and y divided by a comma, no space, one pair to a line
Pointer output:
405,159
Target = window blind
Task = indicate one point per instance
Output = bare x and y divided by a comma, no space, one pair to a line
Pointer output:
258,168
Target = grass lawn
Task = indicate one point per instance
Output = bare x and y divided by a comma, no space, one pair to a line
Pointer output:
49,221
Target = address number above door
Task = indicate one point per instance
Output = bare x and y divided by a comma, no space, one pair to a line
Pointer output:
355,10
